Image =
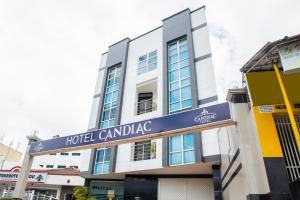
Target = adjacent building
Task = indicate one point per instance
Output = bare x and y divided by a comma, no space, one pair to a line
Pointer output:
265,163
162,72
60,161
9,156
55,184
272,86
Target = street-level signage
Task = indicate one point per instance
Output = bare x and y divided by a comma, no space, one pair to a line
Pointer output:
161,126
290,58
106,187
33,177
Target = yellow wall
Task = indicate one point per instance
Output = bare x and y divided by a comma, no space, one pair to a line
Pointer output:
10,154
265,90
268,136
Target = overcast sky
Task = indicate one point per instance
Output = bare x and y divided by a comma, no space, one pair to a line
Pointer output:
50,51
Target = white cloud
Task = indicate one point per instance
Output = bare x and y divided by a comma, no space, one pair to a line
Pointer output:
50,51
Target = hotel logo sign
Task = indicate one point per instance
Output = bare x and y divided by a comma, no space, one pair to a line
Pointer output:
39,147
290,58
205,117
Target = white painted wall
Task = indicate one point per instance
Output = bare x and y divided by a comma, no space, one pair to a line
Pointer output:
58,159
252,178
201,42
205,83
210,143
137,48
198,17
103,60
205,79
99,82
85,160
126,164
94,113
63,180
98,87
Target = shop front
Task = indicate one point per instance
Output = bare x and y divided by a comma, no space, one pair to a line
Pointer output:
272,80
101,188
54,183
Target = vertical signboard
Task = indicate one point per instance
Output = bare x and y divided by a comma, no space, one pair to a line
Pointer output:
290,58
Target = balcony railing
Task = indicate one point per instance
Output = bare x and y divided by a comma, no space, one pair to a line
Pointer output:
144,150
146,106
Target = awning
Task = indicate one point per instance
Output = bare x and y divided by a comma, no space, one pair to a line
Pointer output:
263,60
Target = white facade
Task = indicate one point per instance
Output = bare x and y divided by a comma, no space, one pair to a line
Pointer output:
62,160
127,159
153,81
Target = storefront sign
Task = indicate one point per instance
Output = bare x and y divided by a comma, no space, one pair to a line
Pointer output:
34,177
106,187
175,122
290,58
266,109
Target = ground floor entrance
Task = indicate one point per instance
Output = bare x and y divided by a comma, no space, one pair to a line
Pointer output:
154,187
100,189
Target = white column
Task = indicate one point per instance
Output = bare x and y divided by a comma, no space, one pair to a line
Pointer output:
23,176
25,170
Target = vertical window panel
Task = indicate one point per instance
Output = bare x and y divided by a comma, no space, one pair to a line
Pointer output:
176,143
102,161
182,149
111,97
179,76
147,63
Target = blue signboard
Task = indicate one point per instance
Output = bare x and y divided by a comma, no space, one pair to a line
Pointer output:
183,120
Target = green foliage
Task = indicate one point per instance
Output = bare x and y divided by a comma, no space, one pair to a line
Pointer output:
82,193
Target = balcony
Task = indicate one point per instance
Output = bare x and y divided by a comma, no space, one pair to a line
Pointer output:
146,106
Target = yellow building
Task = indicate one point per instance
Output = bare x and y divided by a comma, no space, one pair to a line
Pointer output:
9,155
274,98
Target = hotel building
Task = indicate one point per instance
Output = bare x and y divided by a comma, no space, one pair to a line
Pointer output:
162,72
161,134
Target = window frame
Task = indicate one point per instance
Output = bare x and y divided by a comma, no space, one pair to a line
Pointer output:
152,145
111,91
147,65
105,149
182,151
174,51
